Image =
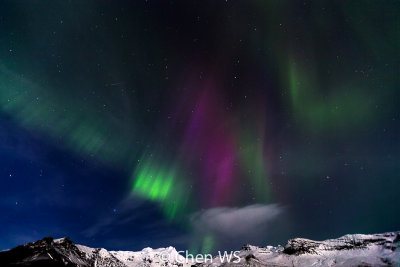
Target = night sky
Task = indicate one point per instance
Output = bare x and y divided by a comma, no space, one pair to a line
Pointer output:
203,125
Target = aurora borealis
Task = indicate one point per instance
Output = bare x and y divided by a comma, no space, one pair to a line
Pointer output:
199,124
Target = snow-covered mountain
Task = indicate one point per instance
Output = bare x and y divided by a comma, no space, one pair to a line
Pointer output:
63,252
349,250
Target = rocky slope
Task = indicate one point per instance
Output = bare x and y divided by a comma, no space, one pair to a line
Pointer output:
349,250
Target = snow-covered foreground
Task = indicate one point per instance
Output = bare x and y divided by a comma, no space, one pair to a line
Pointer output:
349,250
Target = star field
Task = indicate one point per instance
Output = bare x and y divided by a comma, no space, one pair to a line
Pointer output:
156,123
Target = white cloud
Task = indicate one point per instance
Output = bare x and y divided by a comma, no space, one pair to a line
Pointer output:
247,224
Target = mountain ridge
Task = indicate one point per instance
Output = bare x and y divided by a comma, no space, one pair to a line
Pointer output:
348,250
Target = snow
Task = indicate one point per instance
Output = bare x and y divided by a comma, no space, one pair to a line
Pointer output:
151,257
87,250
348,250
59,240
